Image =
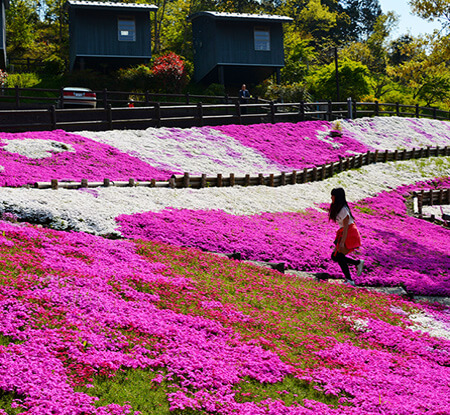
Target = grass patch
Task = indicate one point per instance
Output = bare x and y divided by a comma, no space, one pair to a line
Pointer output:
134,387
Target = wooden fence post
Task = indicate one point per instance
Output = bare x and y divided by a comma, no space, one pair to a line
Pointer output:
302,110
131,182
332,169
386,155
349,109
314,176
187,96
53,117
272,112
232,180
106,182
376,156
54,184
397,109
283,178
260,179
152,183
186,180
200,114
324,171
147,98
238,113
219,180
158,114
109,116
247,180
417,111
305,175
203,181
329,111
377,109
84,183
17,94
413,153
434,113
294,177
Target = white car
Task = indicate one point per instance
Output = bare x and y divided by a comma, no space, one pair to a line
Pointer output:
75,97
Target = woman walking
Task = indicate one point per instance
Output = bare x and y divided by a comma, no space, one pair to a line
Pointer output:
347,237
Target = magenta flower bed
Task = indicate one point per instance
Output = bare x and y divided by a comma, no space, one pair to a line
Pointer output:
75,306
72,323
397,248
295,146
91,161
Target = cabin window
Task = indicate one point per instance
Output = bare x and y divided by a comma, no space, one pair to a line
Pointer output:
262,38
127,29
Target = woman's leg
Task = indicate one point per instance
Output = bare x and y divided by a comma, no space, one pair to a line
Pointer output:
343,262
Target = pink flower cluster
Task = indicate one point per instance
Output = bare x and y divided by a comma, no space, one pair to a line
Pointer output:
91,160
295,146
397,248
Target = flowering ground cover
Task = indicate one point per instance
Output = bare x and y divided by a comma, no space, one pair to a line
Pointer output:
26,158
296,146
95,210
397,132
96,326
397,248
270,148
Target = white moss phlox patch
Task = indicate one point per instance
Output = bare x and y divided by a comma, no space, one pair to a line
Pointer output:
36,148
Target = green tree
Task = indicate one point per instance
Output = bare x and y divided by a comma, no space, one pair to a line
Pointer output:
21,21
354,81
433,10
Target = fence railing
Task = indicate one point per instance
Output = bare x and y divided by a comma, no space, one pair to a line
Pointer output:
200,114
274,180
432,197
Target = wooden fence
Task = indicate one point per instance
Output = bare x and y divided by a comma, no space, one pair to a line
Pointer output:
158,115
295,177
184,113
432,198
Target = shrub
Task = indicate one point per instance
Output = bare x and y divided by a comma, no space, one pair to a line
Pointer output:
135,78
170,73
22,80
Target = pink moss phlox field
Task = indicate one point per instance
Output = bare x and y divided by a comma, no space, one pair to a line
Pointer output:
71,319
295,146
72,311
397,248
91,161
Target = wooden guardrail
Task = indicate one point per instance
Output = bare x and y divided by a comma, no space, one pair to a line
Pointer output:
223,110
432,197
295,177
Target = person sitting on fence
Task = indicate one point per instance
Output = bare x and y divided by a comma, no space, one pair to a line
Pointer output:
347,237
244,97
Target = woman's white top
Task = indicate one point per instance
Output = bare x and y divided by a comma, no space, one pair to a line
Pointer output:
343,213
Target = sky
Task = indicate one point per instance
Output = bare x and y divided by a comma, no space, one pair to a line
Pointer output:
407,23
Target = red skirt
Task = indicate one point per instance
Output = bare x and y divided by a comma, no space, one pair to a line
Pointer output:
353,240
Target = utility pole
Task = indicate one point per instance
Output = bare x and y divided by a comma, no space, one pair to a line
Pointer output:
337,73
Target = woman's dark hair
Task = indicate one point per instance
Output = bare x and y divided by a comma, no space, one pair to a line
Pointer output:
339,202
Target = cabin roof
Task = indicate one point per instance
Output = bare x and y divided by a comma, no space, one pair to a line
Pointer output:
240,16
110,5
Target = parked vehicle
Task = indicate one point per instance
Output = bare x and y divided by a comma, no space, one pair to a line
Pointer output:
76,97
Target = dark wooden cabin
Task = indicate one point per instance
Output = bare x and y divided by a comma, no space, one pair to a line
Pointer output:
235,48
107,34
4,6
